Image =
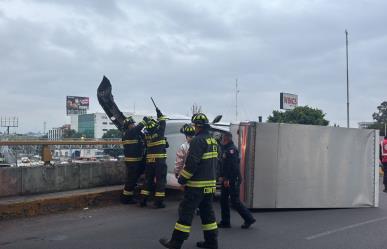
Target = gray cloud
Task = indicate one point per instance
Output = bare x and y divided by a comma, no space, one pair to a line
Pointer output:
183,53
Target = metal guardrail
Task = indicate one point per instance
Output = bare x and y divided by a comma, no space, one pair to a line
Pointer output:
46,153
60,142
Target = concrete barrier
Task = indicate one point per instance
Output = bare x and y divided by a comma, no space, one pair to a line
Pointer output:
10,181
48,179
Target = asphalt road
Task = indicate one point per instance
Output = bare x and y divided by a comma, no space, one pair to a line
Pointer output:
131,227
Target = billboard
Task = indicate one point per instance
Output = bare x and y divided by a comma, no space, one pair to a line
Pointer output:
77,105
288,101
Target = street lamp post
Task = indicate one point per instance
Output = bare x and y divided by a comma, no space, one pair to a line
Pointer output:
346,46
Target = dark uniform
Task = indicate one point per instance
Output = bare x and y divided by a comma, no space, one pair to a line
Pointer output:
199,178
383,160
230,172
156,166
134,151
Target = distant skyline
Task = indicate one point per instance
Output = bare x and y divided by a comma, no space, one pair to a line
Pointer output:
183,53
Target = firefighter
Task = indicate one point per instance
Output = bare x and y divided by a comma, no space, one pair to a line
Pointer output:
182,151
383,160
156,167
132,139
199,179
231,179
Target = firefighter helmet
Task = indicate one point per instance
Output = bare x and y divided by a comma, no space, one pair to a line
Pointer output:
151,125
187,130
199,119
129,120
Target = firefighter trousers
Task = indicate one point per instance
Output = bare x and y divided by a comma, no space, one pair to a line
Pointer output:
232,193
194,198
133,172
155,179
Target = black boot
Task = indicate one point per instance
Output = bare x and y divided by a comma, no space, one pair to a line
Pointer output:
247,224
171,244
210,240
209,245
127,199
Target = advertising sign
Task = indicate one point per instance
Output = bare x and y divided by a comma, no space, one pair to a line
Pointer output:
288,101
77,105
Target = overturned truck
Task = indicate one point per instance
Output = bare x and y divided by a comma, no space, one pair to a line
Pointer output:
303,166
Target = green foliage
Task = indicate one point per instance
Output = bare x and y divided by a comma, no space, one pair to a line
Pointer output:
377,126
113,133
380,117
299,115
72,134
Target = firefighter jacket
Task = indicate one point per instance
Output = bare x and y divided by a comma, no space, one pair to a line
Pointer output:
156,143
383,151
229,169
202,159
132,140
181,156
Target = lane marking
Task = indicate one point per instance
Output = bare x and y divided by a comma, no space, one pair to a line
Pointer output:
329,232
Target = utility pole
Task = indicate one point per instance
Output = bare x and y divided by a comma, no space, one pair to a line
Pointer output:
236,100
346,46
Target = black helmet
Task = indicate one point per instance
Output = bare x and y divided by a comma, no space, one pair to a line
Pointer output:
187,130
151,125
129,120
199,119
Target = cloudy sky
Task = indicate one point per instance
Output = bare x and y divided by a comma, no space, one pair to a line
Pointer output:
185,52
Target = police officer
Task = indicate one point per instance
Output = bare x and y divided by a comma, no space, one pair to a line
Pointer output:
156,167
231,179
199,179
132,140
383,160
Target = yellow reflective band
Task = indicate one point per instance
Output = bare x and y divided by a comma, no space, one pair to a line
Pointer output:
210,190
182,228
128,193
133,141
211,141
162,118
185,174
161,142
152,156
210,155
208,227
160,194
201,184
133,159
148,137
145,192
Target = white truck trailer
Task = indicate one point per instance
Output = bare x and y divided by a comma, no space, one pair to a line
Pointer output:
305,166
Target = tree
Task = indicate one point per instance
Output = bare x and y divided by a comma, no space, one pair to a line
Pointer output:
70,133
377,126
380,118
381,115
113,133
299,115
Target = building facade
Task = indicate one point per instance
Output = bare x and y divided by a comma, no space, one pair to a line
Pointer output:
95,125
55,134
